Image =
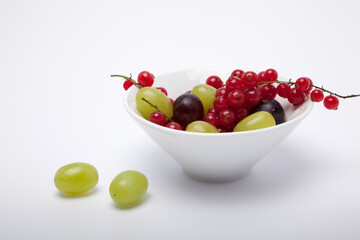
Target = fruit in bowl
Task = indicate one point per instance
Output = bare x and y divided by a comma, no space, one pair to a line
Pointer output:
220,117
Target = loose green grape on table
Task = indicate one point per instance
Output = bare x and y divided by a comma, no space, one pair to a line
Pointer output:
128,188
76,178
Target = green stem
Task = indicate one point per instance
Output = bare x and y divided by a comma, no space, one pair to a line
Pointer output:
156,107
127,78
314,86
335,94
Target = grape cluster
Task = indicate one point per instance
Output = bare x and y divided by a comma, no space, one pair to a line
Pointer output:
224,104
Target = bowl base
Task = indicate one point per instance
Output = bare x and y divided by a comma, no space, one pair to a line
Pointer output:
216,179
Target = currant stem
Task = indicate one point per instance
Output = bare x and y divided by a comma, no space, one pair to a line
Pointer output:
314,86
127,78
335,94
156,107
290,83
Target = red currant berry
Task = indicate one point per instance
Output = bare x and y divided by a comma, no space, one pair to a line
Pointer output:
331,102
158,118
252,97
145,79
283,90
211,118
234,83
249,79
214,81
296,97
270,75
240,114
268,91
172,101
307,91
221,92
127,84
220,103
226,118
174,125
236,99
317,95
211,110
163,90
302,84
262,76
222,129
237,73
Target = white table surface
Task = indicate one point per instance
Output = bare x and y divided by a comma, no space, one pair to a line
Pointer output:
58,105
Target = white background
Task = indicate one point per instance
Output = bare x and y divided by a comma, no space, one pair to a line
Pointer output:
58,105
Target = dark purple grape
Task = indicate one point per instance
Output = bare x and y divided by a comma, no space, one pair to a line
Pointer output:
188,108
272,106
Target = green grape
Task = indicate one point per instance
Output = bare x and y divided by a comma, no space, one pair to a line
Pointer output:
76,178
155,97
201,127
206,94
258,120
128,187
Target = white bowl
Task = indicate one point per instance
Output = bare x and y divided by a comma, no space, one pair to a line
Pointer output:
214,157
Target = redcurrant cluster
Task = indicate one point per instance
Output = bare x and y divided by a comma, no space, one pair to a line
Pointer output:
265,85
235,97
244,90
144,79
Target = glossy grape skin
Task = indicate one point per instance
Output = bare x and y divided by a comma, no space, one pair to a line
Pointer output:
188,108
255,121
76,178
272,106
201,127
128,187
156,97
206,94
